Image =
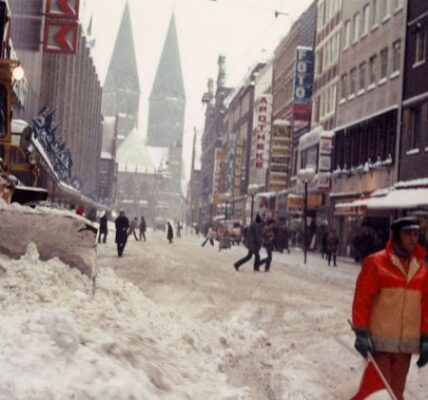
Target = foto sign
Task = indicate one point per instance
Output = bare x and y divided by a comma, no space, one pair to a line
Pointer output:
63,9
303,78
60,36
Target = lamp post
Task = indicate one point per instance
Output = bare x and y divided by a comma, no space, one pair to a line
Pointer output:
305,176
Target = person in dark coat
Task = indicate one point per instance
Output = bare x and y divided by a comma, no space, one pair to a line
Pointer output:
122,226
332,246
170,232
253,242
103,228
281,238
268,241
364,244
143,228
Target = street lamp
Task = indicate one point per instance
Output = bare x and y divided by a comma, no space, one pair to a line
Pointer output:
305,175
252,190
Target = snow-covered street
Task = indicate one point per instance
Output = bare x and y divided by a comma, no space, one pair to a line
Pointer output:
178,322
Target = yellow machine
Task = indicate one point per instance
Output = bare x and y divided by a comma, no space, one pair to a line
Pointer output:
19,160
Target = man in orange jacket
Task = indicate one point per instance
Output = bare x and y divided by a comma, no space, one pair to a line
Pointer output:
390,308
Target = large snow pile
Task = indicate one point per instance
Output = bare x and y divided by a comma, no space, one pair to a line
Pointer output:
56,233
59,340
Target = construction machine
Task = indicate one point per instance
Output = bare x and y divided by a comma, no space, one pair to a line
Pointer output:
55,232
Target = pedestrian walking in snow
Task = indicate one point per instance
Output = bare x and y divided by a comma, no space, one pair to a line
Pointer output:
122,226
224,242
332,246
268,241
103,228
210,237
253,242
143,228
169,232
133,228
390,309
178,230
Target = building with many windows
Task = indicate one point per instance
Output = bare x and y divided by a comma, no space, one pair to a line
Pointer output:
413,156
368,108
327,52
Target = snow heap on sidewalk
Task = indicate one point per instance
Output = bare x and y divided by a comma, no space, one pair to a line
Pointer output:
59,340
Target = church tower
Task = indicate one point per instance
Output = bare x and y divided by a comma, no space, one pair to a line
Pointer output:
121,92
166,106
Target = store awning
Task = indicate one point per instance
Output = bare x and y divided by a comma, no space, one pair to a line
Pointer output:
393,200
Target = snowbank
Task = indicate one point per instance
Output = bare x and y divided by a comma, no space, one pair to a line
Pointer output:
59,341
56,233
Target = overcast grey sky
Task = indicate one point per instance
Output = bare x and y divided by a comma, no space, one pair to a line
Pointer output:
243,30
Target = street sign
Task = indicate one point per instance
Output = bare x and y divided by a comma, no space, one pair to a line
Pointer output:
60,36
63,9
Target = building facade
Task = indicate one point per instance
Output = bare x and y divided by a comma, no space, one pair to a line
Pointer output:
327,50
369,98
413,149
214,130
292,84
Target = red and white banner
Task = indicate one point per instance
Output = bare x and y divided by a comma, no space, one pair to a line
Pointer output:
61,26
63,8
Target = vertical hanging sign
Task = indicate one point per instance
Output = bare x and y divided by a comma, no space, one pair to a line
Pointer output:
61,26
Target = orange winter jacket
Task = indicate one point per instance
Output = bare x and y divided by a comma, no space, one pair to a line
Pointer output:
391,302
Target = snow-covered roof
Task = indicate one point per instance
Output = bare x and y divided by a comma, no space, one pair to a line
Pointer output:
395,199
412,183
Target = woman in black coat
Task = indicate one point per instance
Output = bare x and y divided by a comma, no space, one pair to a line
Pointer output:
170,233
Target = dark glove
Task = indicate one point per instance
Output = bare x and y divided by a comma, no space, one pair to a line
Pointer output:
363,342
423,352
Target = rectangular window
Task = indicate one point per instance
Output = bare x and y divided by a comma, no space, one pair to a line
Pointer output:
388,7
375,9
353,81
421,38
363,68
320,15
356,34
415,128
347,34
365,22
396,48
343,81
373,68
384,63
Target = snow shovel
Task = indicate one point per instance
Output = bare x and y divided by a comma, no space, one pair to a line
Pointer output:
382,377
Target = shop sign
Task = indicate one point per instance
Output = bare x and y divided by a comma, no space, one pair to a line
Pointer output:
263,119
237,171
219,170
280,157
323,181
63,8
61,26
303,78
60,36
